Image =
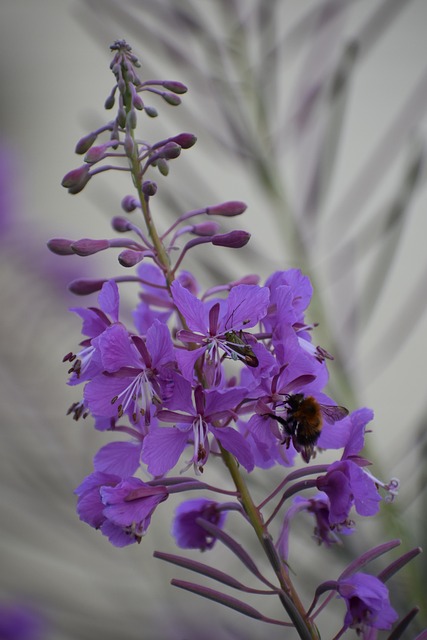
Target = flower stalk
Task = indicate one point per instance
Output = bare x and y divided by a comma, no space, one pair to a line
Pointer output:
230,373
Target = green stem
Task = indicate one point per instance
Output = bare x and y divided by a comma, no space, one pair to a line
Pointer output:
291,600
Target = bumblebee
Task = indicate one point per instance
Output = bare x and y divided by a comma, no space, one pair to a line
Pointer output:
304,421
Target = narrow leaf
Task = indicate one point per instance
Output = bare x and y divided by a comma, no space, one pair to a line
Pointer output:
205,570
369,556
398,564
234,546
226,600
404,624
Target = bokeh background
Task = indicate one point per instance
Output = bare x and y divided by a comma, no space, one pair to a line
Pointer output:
313,113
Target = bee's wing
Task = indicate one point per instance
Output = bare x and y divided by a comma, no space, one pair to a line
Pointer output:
333,413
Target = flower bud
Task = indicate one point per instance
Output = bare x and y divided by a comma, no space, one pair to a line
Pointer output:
149,188
60,246
84,286
233,240
129,257
129,204
121,225
162,166
109,103
129,146
121,117
137,102
170,151
185,140
95,154
76,180
171,99
151,111
131,119
85,143
175,87
232,208
86,246
208,228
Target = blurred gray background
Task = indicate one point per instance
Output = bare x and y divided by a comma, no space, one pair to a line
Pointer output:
363,232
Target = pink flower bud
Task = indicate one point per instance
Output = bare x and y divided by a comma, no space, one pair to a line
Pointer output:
149,188
185,140
60,246
129,204
170,151
129,258
121,225
232,208
208,228
233,240
86,246
76,180
85,143
84,286
136,99
95,154
175,87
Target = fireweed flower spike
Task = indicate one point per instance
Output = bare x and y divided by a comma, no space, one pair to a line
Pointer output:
230,374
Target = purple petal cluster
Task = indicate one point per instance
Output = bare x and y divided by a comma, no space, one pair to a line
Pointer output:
186,528
367,601
200,373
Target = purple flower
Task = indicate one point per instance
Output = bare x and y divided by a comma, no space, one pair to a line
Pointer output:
131,379
324,532
156,303
87,363
206,415
217,326
347,485
367,602
119,458
120,508
346,482
190,535
290,295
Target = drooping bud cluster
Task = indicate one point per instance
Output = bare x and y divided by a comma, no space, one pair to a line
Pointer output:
231,373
